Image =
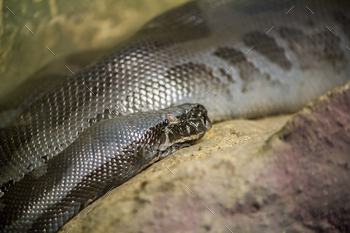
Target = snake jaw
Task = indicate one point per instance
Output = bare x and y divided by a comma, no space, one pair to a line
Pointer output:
189,124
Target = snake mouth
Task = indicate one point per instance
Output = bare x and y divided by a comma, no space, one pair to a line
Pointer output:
187,127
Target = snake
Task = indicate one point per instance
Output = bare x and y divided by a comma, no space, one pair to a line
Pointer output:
239,59
105,155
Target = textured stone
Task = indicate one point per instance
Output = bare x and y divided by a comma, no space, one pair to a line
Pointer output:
253,176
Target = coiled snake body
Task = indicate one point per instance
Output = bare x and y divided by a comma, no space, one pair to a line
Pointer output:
239,59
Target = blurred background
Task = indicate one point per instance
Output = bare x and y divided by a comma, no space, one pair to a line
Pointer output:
30,29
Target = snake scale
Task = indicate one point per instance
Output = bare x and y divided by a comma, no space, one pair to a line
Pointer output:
236,58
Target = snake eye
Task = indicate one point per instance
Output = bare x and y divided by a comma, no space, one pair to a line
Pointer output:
171,118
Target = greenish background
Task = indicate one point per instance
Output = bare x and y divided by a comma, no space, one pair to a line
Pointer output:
66,27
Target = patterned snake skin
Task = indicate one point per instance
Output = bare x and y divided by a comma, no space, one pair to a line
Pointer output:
237,58
104,156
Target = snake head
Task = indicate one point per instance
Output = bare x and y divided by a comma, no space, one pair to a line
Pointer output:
185,123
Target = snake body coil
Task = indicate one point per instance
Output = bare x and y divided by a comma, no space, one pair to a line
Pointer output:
104,156
237,58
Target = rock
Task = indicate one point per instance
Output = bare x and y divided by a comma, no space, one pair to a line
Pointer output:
243,176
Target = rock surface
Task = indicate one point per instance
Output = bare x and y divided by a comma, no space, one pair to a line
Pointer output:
243,176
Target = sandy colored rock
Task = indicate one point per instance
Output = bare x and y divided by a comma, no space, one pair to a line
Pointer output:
157,199
244,176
